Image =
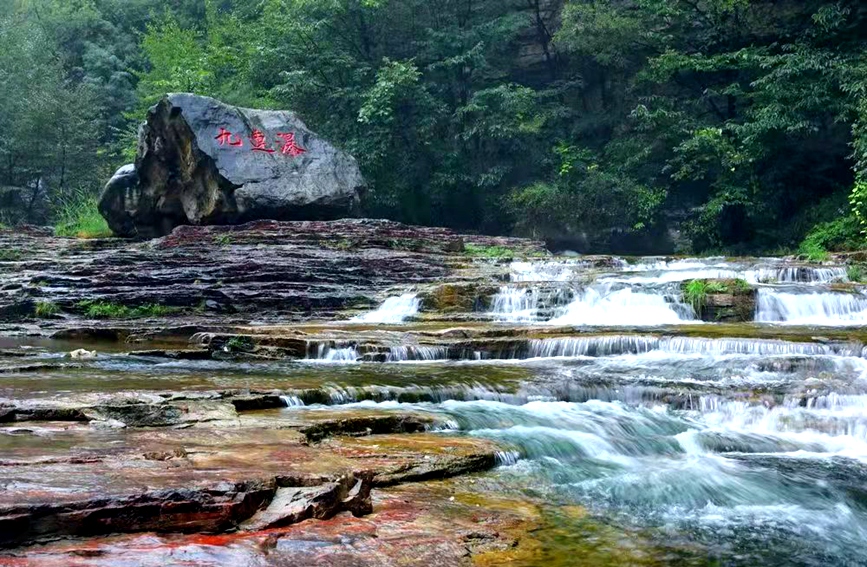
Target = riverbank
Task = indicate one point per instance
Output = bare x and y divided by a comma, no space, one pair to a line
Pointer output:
368,393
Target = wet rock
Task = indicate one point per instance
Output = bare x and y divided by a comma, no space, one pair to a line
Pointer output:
411,525
724,301
107,424
177,354
43,413
367,425
265,270
257,402
83,354
204,162
443,467
291,505
17,310
459,297
211,479
214,509
164,414
178,453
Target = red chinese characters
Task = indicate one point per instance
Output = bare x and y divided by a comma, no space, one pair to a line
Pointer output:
258,139
290,147
259,142
226,137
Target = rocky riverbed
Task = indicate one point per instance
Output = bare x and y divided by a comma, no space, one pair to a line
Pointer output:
368,393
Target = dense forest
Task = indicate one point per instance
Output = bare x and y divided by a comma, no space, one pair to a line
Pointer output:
599,125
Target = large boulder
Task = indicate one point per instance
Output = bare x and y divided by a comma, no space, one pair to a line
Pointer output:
203,162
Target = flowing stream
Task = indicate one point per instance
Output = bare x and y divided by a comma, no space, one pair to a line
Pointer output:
736,450
738,445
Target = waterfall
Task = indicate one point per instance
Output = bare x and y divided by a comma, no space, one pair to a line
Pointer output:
532,304
393,310
292,401
417,353
624,307
605,304
615,345
516,304
818,308
797,274
327,352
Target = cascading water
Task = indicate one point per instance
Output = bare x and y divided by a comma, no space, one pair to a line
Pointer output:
750,449
797,274
393,310
329,352
811,308
601,304
530,304
755,484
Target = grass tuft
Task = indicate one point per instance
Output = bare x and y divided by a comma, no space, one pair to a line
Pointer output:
109,310
695,292
46,309
78,216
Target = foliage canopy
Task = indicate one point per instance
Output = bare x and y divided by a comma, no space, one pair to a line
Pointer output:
735,125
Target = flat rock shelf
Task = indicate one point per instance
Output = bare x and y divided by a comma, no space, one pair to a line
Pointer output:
366,393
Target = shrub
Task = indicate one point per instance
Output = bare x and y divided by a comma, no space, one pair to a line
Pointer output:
842,234
813,251
78,216
854,273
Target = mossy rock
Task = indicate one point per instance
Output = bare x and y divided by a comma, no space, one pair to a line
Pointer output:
457,298
721,300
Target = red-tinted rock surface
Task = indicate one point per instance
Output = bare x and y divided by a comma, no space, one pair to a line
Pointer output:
263,269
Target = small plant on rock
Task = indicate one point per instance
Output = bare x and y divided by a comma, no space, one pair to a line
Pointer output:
78,216
9,255
224,239
488,251
46,309
695,293
109,310
239,344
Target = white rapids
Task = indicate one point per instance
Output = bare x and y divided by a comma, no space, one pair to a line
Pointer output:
393,310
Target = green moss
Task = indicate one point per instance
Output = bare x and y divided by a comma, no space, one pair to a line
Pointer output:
855,273
109,310
45,309
240,344
224,239
488,251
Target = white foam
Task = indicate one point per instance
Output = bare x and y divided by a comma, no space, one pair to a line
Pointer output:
393,310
